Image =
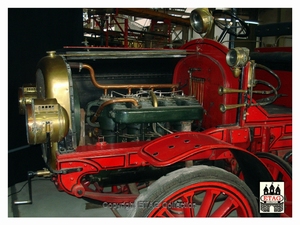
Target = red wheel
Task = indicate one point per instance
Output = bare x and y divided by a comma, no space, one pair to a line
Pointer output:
199,191
280,171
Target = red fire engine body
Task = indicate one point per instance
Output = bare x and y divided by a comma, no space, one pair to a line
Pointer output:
208,136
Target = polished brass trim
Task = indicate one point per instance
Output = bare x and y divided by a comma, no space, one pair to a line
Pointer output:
43,117
224,90
26,94
154,99
53,82
224,108
201,20
237,57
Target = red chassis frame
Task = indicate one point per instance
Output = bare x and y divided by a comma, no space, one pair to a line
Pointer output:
184,146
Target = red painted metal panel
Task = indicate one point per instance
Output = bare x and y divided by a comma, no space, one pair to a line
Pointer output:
210,65
173,148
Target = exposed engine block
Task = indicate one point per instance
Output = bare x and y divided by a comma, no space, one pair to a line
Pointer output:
71,108
143,116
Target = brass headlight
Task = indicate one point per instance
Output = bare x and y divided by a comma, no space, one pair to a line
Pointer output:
201,20
46,116
237,57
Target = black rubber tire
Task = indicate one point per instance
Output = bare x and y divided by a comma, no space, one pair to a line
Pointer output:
176,180
284,164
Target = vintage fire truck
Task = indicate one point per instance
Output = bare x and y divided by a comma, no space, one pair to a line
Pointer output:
187,132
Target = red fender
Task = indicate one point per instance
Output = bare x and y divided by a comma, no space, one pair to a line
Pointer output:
176,147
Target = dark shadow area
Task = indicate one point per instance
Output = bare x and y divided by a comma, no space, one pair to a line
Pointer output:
31,33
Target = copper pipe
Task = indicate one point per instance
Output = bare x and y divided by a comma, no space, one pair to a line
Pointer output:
119,86
117,100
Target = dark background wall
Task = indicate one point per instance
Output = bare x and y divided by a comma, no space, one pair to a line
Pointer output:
32,32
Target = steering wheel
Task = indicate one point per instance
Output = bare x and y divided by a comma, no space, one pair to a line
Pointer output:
240,29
